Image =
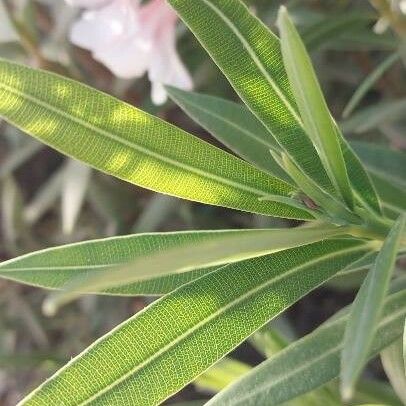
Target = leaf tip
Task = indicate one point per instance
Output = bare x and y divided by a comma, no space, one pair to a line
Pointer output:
347,392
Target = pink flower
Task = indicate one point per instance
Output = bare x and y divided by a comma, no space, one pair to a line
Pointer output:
131,40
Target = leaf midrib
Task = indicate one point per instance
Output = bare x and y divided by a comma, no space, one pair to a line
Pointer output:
254,57
216,314
146,151
230,123
331,351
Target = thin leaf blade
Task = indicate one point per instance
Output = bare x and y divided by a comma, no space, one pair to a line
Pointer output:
366,309
310,362
218,249
158,351
232,124
257,75
125,142
317,120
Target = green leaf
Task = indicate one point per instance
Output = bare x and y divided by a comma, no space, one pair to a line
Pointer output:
221,374
389,164
376,391
392,362
252,62
309,362
159,350
317,120
217,249
258,76
366,310
228,370
393,197
334,207
123,141
363,187
232,124
369,82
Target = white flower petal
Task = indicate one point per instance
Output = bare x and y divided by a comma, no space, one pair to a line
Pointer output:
126,59
158,93
87,3
166,66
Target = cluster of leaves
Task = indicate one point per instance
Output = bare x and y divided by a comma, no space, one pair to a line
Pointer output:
219,287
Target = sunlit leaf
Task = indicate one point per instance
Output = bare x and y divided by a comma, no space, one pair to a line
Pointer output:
221,375
234,125
159,350
123,141
257,74
309,362
215,248
317,120
259,77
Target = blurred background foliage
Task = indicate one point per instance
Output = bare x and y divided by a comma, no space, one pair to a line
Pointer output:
46,199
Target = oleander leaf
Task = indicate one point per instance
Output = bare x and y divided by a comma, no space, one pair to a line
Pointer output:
309,362
257,74
228,370
365,311
233,125
393,197
58,267
259,77
123,141
388,164
221,374
159,350
217,248
317,120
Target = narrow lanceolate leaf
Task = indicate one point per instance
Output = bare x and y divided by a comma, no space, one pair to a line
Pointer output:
217,249
363,187
123,141
334,207
317,120
392,361
234,125
380,160
159,350
221,375
387,169
309,362
366,310
393,197
251,60
55,268
259,77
